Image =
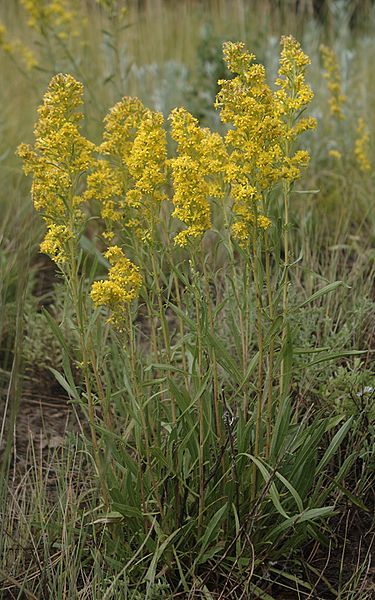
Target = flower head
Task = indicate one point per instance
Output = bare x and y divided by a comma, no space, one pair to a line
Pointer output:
264,123
55,242
129,181
59,158
361,148
247,103
121,287
52,14
17,50
197,173
333,76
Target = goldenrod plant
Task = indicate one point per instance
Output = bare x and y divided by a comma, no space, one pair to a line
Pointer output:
333,76
194,467
361,148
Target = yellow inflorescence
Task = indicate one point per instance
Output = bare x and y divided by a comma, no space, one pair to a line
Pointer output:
128,175
121,124
52,14
294,94
264,124
121,287
129,185
361,148
336,154
197,171
59,158
17,50
55,242
333,76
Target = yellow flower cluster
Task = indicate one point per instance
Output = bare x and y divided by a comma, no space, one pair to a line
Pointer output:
247,104
17,50
333,76
264,123
121,287
197,173
121,124
294,94
52,14
361,148
336,154
56,241
128,176
292,97
59,158
129,184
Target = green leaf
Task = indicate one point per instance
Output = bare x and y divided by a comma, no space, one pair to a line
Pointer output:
274,494
334,356
151,571
89,247
299,351
287,356
127,511
292,490
210,532
354,499
64,384
223,357
251,366
111,517
327,289
260,594
212,550
335,443
56,331
311,514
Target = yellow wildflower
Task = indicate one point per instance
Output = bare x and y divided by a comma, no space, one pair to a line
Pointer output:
201,158
58,160
294,93
122,286
293,96
55,242
264,222
121,125
130,184
254,165
106,184
61,154
52,14
335,154
333,76
17,50
263,126
361,148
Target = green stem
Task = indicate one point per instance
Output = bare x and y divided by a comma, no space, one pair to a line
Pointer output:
271,347
144,428
198,316
243,329
164,324
74,290
182,332
286,196
260,362
213,360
